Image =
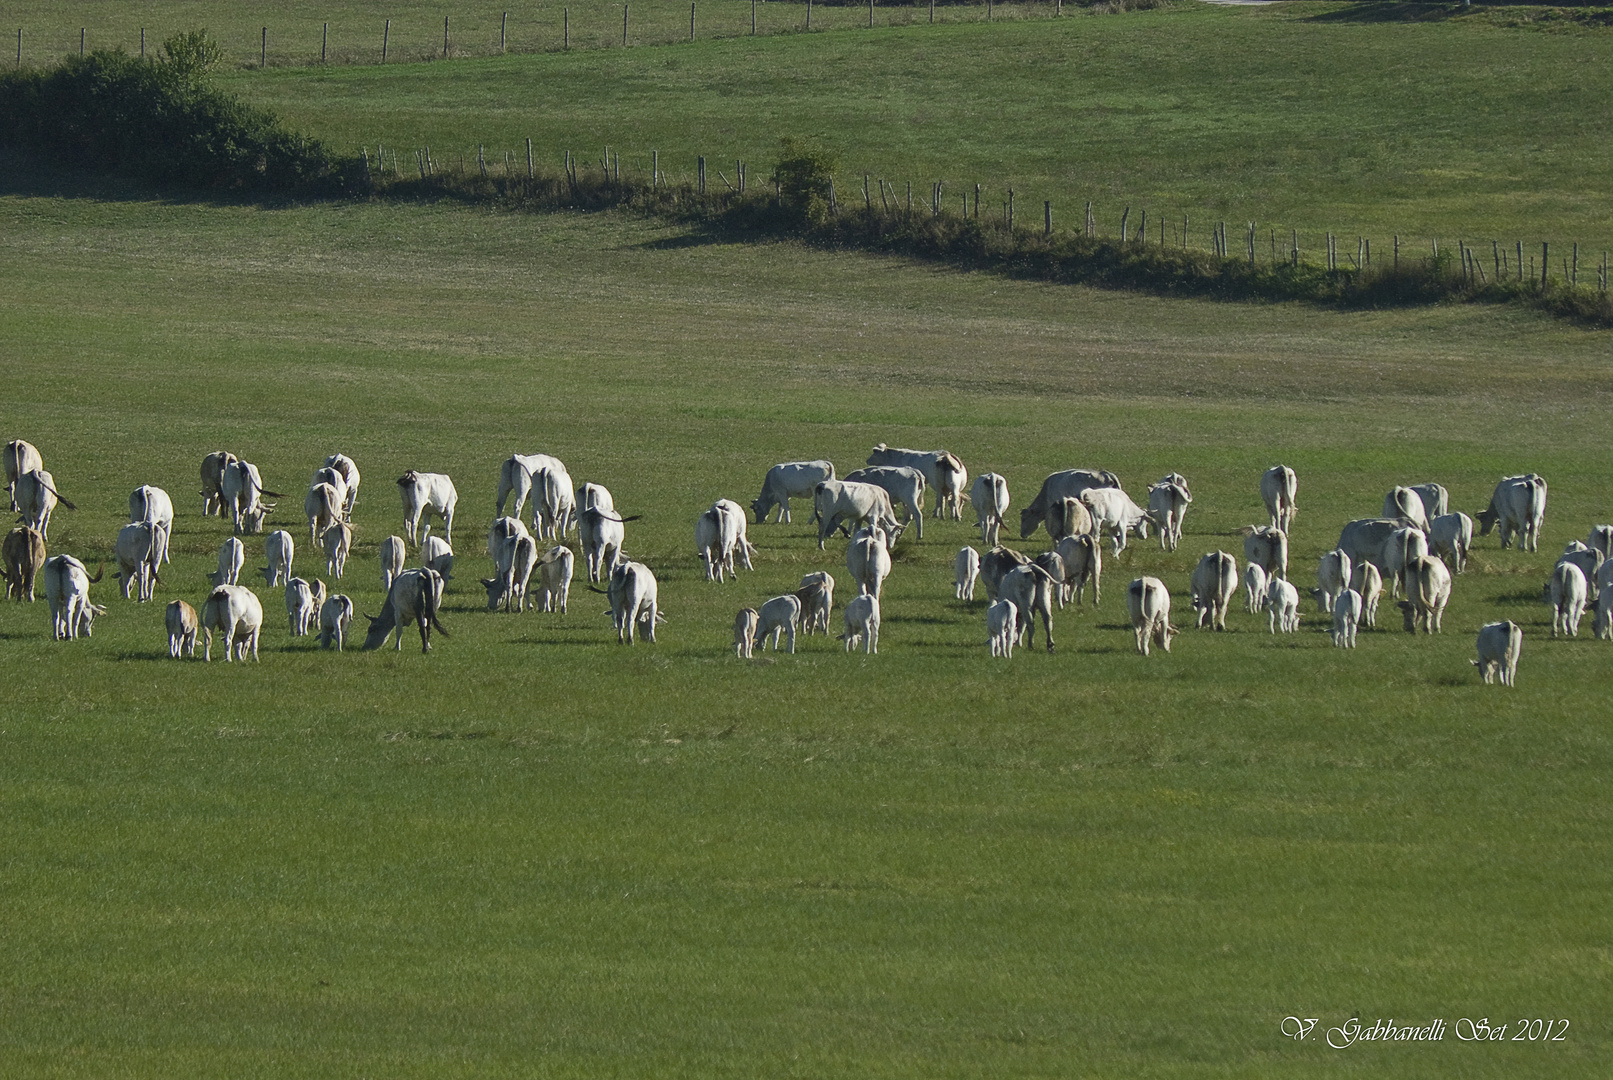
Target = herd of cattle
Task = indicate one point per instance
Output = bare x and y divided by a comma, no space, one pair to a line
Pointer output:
1411,548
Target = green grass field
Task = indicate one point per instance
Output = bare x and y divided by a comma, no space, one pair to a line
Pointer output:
535,851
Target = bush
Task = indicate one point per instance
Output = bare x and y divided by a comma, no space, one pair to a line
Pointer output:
160,120
804,176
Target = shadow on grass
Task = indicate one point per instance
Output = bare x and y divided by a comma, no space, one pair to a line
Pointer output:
24,175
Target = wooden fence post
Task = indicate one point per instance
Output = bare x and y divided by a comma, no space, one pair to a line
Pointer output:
977,202
932,12
445,37
529,159
655,169
809,15
868,203
1573,273
1545,262
870,14
19,45
624,24
324,41
1123,218
81,38
753,17
691,21
565,28
1010,210
1047,217
386,33
503,36
701,163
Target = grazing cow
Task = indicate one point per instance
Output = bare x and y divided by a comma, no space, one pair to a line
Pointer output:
23,554
337,542
392,557
136,551
1031,590
335,615
180,618
1002,626
1601,538
214,466
942,471
1053,563
1167,505
1518,506
300,607
634,601
323,505
1068,517
1404,544
602,534
329,474
1346,617
1451,535
280,550
817,596
348,471
231,557
1589,561
1406,505
1602,624
789,480
862,624
415,597
20,457
1436,500
554,579
67,590
1428,590
1366,580
903,483
1268,546
501,540
837,503
592,496
1279,488
719,534
36,496
517,475
1069,484
510,585
869,560
1566,592
1332,577
1083,562
152,504
1254,586
235,612
425,494
1499,644
435,553
1214,584
1114,515
554,507
1149,603
779,616
1363,540
1282,603
745,632
965,569
997,562
990,498
242,487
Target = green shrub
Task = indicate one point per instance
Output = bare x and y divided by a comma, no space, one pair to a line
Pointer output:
804,177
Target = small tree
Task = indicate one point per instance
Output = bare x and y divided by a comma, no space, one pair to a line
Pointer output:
803,175
189,56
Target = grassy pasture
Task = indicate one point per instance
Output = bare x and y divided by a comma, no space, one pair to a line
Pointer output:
534,848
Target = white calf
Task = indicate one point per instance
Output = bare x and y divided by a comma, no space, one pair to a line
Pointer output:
1114,515
990,498
1149,604
280,549
745,632
1254,587
1428,590
424,494
1083,562
67,590
300,607
1282,600
1499,644
1452,535
231,557
869,560
634,601
393,553
36,496
1566,592
1278,488
1002,622
435,553
1366,580
817,596
1167,505
1602,626
136,551
180,618
236,613
152,505
966,568
862,623
337,542
1267,546
554,579
20,457
1214,584
1332,577
780,615
335,615
1346,617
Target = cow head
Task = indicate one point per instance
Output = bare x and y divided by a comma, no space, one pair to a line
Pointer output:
495,592
409,479
761,506
1409,610
1487,519
1028,521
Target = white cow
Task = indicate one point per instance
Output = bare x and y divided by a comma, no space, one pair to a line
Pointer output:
235,612
989,495
392,558
1149,603
1601,538
1214,584
862,623
435,553
1518,506
1114,514
1436,500
1366,580
595,496
942,471
510,585
1068,517
869,560
633,601
1428,590
1499,644
502,537
323,506
789,480
152,504
719,533
839,503
242,488
180,619
554,579
1268,546
1404,544
903,483
1069,484
817,596
779,616
231,558
1002,624
329,474
1254,586
1332,577
1282,604
1566,592
1031,590
1363,540
279,550
1083,562
1279,488
1053,563
602,534
36,496
349,473
425,494
300,607
995,565
745,632
1346,617
1168,501
136,551
554,507
67,590
214,466
1407,505
20,457
516,477
1588,559
335,616
1452,535
337,542
415,597
966,568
